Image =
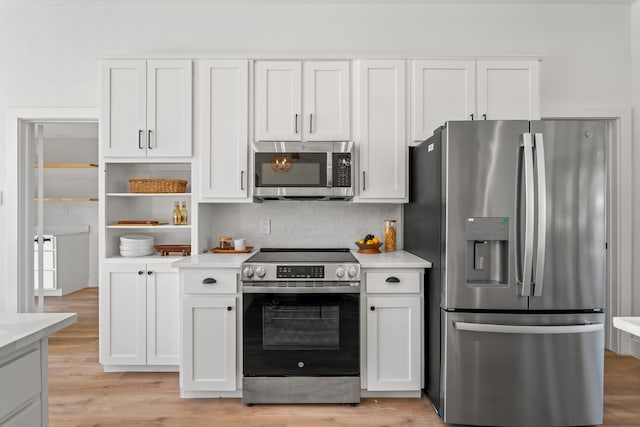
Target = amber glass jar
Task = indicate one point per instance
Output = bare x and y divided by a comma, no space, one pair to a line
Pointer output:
390,235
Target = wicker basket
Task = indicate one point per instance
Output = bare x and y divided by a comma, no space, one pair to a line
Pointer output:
140,185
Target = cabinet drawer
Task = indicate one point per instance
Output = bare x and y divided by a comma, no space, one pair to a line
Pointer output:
29,416
224,282
25,378
393,282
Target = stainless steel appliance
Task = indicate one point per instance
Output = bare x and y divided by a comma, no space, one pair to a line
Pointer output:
512,216
301,326
303,170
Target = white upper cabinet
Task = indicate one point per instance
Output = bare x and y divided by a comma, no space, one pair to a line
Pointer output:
508,90
286,112
381,130
326,101
442,90
146,108
224,131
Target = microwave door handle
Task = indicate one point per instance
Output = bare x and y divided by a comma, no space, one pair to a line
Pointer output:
329,169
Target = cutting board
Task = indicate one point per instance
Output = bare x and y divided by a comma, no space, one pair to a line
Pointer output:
139,222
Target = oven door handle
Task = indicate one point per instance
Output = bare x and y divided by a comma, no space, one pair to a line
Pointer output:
352,289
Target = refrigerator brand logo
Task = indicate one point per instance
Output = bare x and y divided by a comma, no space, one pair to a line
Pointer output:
430,148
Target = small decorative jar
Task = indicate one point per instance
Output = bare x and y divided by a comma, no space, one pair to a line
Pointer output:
225,242
390,235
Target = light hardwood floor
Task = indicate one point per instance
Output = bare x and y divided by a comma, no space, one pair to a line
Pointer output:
81,394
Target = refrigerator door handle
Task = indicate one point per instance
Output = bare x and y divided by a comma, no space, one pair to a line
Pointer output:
528,329
527,268
542,215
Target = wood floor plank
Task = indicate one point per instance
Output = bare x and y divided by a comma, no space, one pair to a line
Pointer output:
82,395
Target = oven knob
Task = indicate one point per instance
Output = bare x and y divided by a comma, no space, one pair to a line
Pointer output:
352,272
260,271
248,271
340,272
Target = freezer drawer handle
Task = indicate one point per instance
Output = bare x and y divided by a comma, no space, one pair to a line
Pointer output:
392,279
526,329
209,281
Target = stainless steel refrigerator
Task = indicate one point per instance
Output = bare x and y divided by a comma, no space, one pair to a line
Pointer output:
512,216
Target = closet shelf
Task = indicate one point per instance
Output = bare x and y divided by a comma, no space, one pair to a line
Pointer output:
69,199
67,165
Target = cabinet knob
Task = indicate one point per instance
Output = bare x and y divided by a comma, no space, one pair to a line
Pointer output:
209,281
140,273
392,279
229,308
373,308
149,272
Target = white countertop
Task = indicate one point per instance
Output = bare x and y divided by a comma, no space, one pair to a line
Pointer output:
211,260
628,324
396,259
18,330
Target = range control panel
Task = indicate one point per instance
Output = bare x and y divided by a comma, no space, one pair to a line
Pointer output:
300,272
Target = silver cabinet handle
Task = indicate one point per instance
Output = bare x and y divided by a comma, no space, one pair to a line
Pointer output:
242,180
542,214
296,122
364,187
527,329
149,139
140,132
311,123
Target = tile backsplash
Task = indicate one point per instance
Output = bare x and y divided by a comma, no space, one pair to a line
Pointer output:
302,224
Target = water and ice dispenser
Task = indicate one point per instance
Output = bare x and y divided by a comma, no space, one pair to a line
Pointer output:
487,251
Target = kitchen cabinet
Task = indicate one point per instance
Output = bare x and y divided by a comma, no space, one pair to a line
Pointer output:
139,315
302,101
146,108
508,90
224,88
381,133
393,330
472,90
441,91
210,317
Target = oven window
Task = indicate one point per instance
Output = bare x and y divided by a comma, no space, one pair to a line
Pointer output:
291,169
301,327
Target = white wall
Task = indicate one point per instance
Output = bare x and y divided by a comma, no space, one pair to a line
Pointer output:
49,48
635,105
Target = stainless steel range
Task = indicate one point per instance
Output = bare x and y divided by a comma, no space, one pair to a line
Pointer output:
301,326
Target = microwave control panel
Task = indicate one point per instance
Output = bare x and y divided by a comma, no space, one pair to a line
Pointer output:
341,169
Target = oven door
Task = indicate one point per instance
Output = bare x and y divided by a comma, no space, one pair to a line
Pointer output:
301,334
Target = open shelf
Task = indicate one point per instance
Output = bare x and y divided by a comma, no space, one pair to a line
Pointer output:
151,227
69,199
67,165
148,194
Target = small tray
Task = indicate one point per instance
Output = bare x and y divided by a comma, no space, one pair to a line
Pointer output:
184,250
232,251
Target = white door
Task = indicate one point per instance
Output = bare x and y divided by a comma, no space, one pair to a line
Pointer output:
381,130
163,315
225,111
441,91
393,343
123,317
209,343
169,95
278,100
123,108
326,112
508,90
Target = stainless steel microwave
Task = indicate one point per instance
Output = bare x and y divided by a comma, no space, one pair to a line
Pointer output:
303,170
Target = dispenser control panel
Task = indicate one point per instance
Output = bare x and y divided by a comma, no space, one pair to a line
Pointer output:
487,228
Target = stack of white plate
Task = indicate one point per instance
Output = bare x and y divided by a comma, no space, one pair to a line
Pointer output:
136,245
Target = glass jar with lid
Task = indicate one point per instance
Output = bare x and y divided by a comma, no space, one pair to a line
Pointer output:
225,242
390,235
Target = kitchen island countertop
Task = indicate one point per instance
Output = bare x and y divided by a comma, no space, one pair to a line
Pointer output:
21,329
396,259
628,324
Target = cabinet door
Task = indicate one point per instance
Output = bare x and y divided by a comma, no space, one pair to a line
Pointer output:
163,315
381,130
169,99
225,111
123,108
209,343
278,100
441,91
123,316
508,90
326,113
393,343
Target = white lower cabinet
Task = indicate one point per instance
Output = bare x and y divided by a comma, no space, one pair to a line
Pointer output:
393,331
209,331
139,315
